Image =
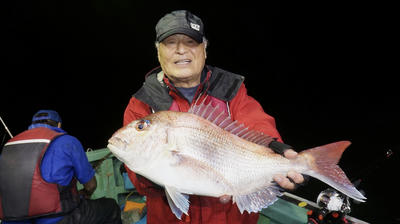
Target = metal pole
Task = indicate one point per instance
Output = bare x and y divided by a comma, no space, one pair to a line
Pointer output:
5,126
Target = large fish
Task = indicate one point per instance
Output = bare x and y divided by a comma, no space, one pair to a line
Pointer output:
203,152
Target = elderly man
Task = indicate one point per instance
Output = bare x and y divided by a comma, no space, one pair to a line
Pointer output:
183,78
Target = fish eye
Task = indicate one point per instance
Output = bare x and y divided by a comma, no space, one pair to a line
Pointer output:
143,124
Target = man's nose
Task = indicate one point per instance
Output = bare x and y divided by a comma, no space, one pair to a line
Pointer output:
180,48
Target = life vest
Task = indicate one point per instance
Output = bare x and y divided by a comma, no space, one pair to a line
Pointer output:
23,192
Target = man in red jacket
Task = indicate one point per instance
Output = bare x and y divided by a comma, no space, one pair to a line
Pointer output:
182,78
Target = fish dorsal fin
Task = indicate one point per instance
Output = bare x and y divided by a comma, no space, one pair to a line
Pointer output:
217,115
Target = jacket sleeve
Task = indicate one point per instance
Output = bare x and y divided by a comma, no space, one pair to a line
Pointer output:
136,109
248,111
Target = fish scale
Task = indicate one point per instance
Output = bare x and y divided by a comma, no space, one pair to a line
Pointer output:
234,159
221,152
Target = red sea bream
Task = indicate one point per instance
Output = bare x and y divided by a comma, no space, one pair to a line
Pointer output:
203,152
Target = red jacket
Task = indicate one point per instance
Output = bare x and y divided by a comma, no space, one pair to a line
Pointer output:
242,107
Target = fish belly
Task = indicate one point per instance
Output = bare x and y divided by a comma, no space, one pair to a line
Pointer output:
224,161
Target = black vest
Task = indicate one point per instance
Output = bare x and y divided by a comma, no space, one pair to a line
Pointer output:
222,84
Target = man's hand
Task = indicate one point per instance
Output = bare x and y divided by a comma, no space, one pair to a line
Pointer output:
88,188
285,181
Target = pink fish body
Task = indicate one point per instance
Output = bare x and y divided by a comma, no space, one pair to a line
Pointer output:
205,153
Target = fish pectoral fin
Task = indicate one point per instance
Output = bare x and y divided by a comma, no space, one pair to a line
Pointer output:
178,202
256,201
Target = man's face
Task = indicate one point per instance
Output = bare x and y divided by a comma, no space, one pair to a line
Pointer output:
182,59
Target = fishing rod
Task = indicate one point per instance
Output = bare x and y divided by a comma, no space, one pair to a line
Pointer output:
5,126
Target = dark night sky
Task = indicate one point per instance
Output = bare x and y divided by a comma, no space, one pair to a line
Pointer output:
323,70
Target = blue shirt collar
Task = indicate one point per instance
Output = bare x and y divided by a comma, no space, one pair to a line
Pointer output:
38,125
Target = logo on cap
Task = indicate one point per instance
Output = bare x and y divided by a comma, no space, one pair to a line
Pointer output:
195,26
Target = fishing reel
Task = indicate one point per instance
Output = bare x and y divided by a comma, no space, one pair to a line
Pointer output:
331,200
333,208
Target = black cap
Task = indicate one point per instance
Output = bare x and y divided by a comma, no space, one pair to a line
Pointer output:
180,21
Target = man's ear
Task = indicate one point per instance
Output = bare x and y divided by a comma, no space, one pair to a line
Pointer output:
158,54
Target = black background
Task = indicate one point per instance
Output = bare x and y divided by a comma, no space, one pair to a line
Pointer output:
325,71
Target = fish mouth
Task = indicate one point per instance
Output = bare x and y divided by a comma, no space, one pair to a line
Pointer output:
182,62
116,143
119,153
113,148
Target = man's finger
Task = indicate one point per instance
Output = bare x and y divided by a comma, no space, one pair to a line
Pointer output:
295,177
290,154
284,182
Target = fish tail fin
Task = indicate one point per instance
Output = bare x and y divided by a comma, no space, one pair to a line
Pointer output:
323,161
